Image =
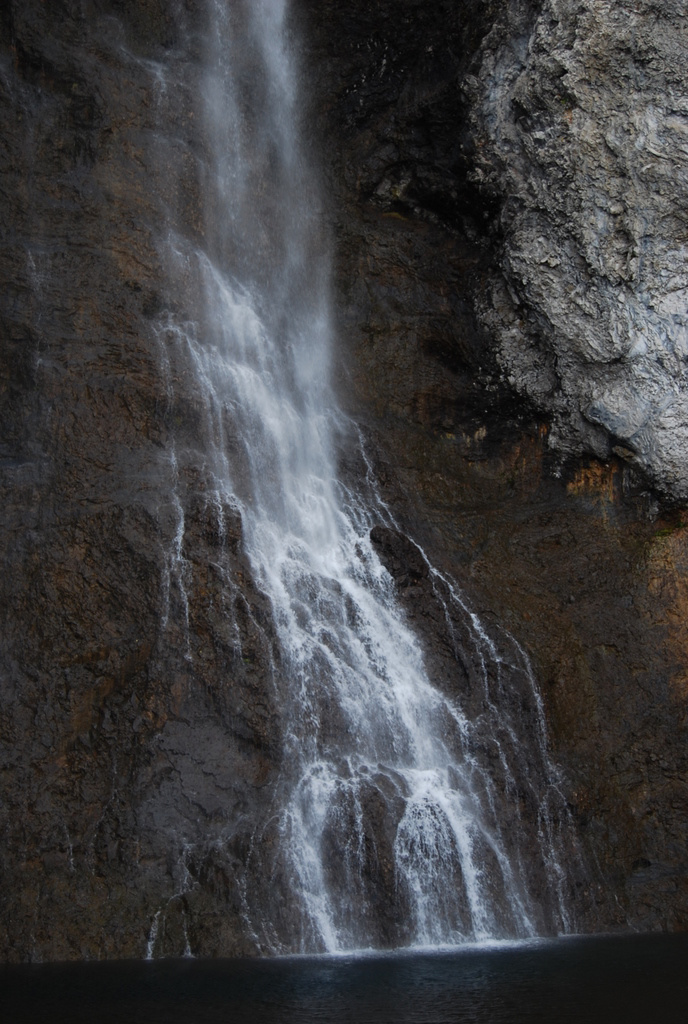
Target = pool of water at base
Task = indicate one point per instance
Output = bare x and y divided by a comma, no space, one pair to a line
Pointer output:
603,979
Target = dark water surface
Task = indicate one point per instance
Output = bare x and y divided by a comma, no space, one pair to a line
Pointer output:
603,979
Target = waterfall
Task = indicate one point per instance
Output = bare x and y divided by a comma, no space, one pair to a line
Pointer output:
405,813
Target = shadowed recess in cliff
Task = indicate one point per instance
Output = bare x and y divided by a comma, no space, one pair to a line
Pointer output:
415,803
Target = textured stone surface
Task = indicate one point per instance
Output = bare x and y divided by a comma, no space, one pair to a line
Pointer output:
137,729
577,557
581,131
139,738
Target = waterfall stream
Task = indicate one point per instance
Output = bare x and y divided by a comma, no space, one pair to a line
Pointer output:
405,813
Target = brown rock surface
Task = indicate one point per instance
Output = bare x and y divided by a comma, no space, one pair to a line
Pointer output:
125,754
576,558
139,738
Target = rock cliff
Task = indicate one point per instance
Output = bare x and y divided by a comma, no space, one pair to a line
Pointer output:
507,200
508,281
580,125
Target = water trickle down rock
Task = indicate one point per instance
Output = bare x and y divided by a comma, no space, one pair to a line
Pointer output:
138,762
387,822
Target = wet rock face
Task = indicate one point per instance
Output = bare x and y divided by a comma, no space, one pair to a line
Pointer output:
138,737
507,203
412,232
504,239
548,139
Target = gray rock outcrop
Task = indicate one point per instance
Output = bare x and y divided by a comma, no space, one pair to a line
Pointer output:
580,115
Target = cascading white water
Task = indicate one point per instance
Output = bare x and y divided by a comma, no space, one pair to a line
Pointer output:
388,823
